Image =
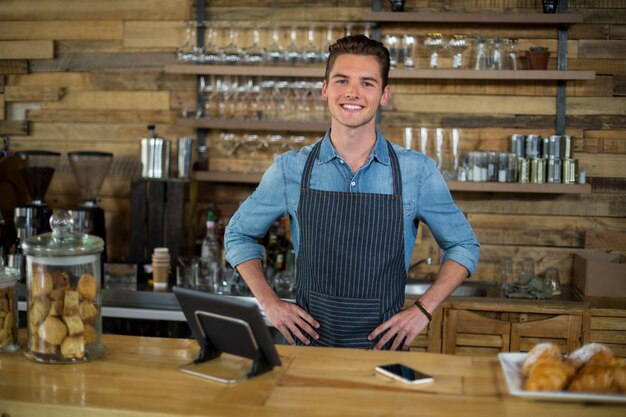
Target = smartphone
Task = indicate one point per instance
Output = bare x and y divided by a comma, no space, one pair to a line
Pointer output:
404,373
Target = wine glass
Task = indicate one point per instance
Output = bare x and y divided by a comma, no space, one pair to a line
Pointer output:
296,142
512,54
211,53
233,54
391,42
188,51
311,53
458,44
229,143
275,143
408,47
330,37
251,143
434,42
293,54
480,59
254,53
275,53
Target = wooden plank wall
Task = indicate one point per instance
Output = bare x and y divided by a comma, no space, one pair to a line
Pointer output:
79,74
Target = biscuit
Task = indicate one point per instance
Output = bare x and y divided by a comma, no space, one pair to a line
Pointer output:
73,347
52,330
60,280
87,287
70,303
74,324
38,310
88,311
41,284
91,336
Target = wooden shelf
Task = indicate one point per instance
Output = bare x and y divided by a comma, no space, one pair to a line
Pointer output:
496,187
444,74
503,187
482,18
262,125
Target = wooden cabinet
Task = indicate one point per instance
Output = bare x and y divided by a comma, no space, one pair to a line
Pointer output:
488,332
609,330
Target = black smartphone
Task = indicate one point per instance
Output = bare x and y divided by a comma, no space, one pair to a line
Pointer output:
404,373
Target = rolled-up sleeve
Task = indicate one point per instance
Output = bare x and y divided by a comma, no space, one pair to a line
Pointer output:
255,215
445,220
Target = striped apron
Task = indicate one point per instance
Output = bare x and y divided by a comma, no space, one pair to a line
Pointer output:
350,264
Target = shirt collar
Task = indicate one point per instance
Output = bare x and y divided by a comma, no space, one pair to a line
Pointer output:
380,152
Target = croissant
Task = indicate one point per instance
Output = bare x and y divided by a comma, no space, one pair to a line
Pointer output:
539,353
593,378
591,353
549,375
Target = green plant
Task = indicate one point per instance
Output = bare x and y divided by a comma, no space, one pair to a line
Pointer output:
538,49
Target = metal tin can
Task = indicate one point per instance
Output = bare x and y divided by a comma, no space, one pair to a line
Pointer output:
517,145
555,147
566,146
545,147
554,171
532,146
538,170
523,170
570,166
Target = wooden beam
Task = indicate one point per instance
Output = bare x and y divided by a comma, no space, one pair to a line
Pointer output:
606,241
13,127
602,49
61,29
34,93
104,61
112,100
602,165
13,66
26,49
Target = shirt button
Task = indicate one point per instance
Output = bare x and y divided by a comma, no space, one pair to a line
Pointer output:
353,184
341,161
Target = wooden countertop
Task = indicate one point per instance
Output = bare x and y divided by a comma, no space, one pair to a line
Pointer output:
139,376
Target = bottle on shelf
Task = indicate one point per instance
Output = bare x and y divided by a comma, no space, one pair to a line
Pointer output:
210,256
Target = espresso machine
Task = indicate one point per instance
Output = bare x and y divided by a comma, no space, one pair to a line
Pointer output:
37,171
90,168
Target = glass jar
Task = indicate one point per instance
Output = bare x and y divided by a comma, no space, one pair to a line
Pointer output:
8,309
63,275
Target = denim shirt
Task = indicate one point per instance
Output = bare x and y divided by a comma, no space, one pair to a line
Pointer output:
425,196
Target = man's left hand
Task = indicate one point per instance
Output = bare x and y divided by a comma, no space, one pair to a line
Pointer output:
405,326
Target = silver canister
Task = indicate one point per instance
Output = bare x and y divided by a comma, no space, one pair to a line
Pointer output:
555,147
537,170
554,171
533,142
523,170
155,156
517,145
566,146
570,168
545,147
185,146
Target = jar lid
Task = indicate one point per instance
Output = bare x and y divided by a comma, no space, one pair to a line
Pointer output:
8,276
62,241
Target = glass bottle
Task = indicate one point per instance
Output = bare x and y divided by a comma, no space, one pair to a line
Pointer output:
210,255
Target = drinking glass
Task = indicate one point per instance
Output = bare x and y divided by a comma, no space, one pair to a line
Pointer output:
275,143
409,44
229,143
330,38
391,42
481,59
275,53
512,54
458,44
254,53
551,281
293,54
408,137
496,61
505,273
527,271
435,43
210,54
233,54
188,51
296,141
251,143
424,141
311,53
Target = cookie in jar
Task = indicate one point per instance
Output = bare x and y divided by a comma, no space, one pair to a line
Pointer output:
63,275
8,309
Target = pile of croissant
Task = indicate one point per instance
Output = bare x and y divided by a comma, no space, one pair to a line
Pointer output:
591,369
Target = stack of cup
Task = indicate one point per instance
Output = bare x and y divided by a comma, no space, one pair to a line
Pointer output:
160,268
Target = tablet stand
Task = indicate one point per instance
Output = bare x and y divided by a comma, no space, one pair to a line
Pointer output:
209,352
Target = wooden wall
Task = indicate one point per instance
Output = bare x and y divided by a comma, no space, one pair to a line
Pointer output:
81,74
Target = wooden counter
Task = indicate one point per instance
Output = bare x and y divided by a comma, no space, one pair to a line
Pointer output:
139,376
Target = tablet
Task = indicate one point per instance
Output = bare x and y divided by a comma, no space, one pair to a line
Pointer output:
223,324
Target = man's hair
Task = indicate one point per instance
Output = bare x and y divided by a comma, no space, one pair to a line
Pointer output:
359,45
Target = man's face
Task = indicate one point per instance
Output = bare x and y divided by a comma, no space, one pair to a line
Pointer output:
354,90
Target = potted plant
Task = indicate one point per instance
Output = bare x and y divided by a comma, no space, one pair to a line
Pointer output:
537,57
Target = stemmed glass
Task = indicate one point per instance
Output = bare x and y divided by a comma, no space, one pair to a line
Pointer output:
233,54
296,142
330,37
212,98
391,42
458,44
311,53
211,54
251,143
229,143
481,60
274,142
512,54
435,43
293,54
188,51
254,53
275,53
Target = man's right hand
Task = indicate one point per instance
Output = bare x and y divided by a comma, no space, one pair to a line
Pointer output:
290,319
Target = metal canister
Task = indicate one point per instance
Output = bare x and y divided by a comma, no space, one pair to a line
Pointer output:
545,147
523,170
570,166
537,170
566,146
555,147
517,145
532,144
554,170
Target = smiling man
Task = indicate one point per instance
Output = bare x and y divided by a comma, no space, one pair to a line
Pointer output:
354,201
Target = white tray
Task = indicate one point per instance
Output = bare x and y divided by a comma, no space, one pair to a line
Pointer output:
511,364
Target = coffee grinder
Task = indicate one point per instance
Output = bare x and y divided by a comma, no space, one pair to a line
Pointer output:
90,168
34,218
